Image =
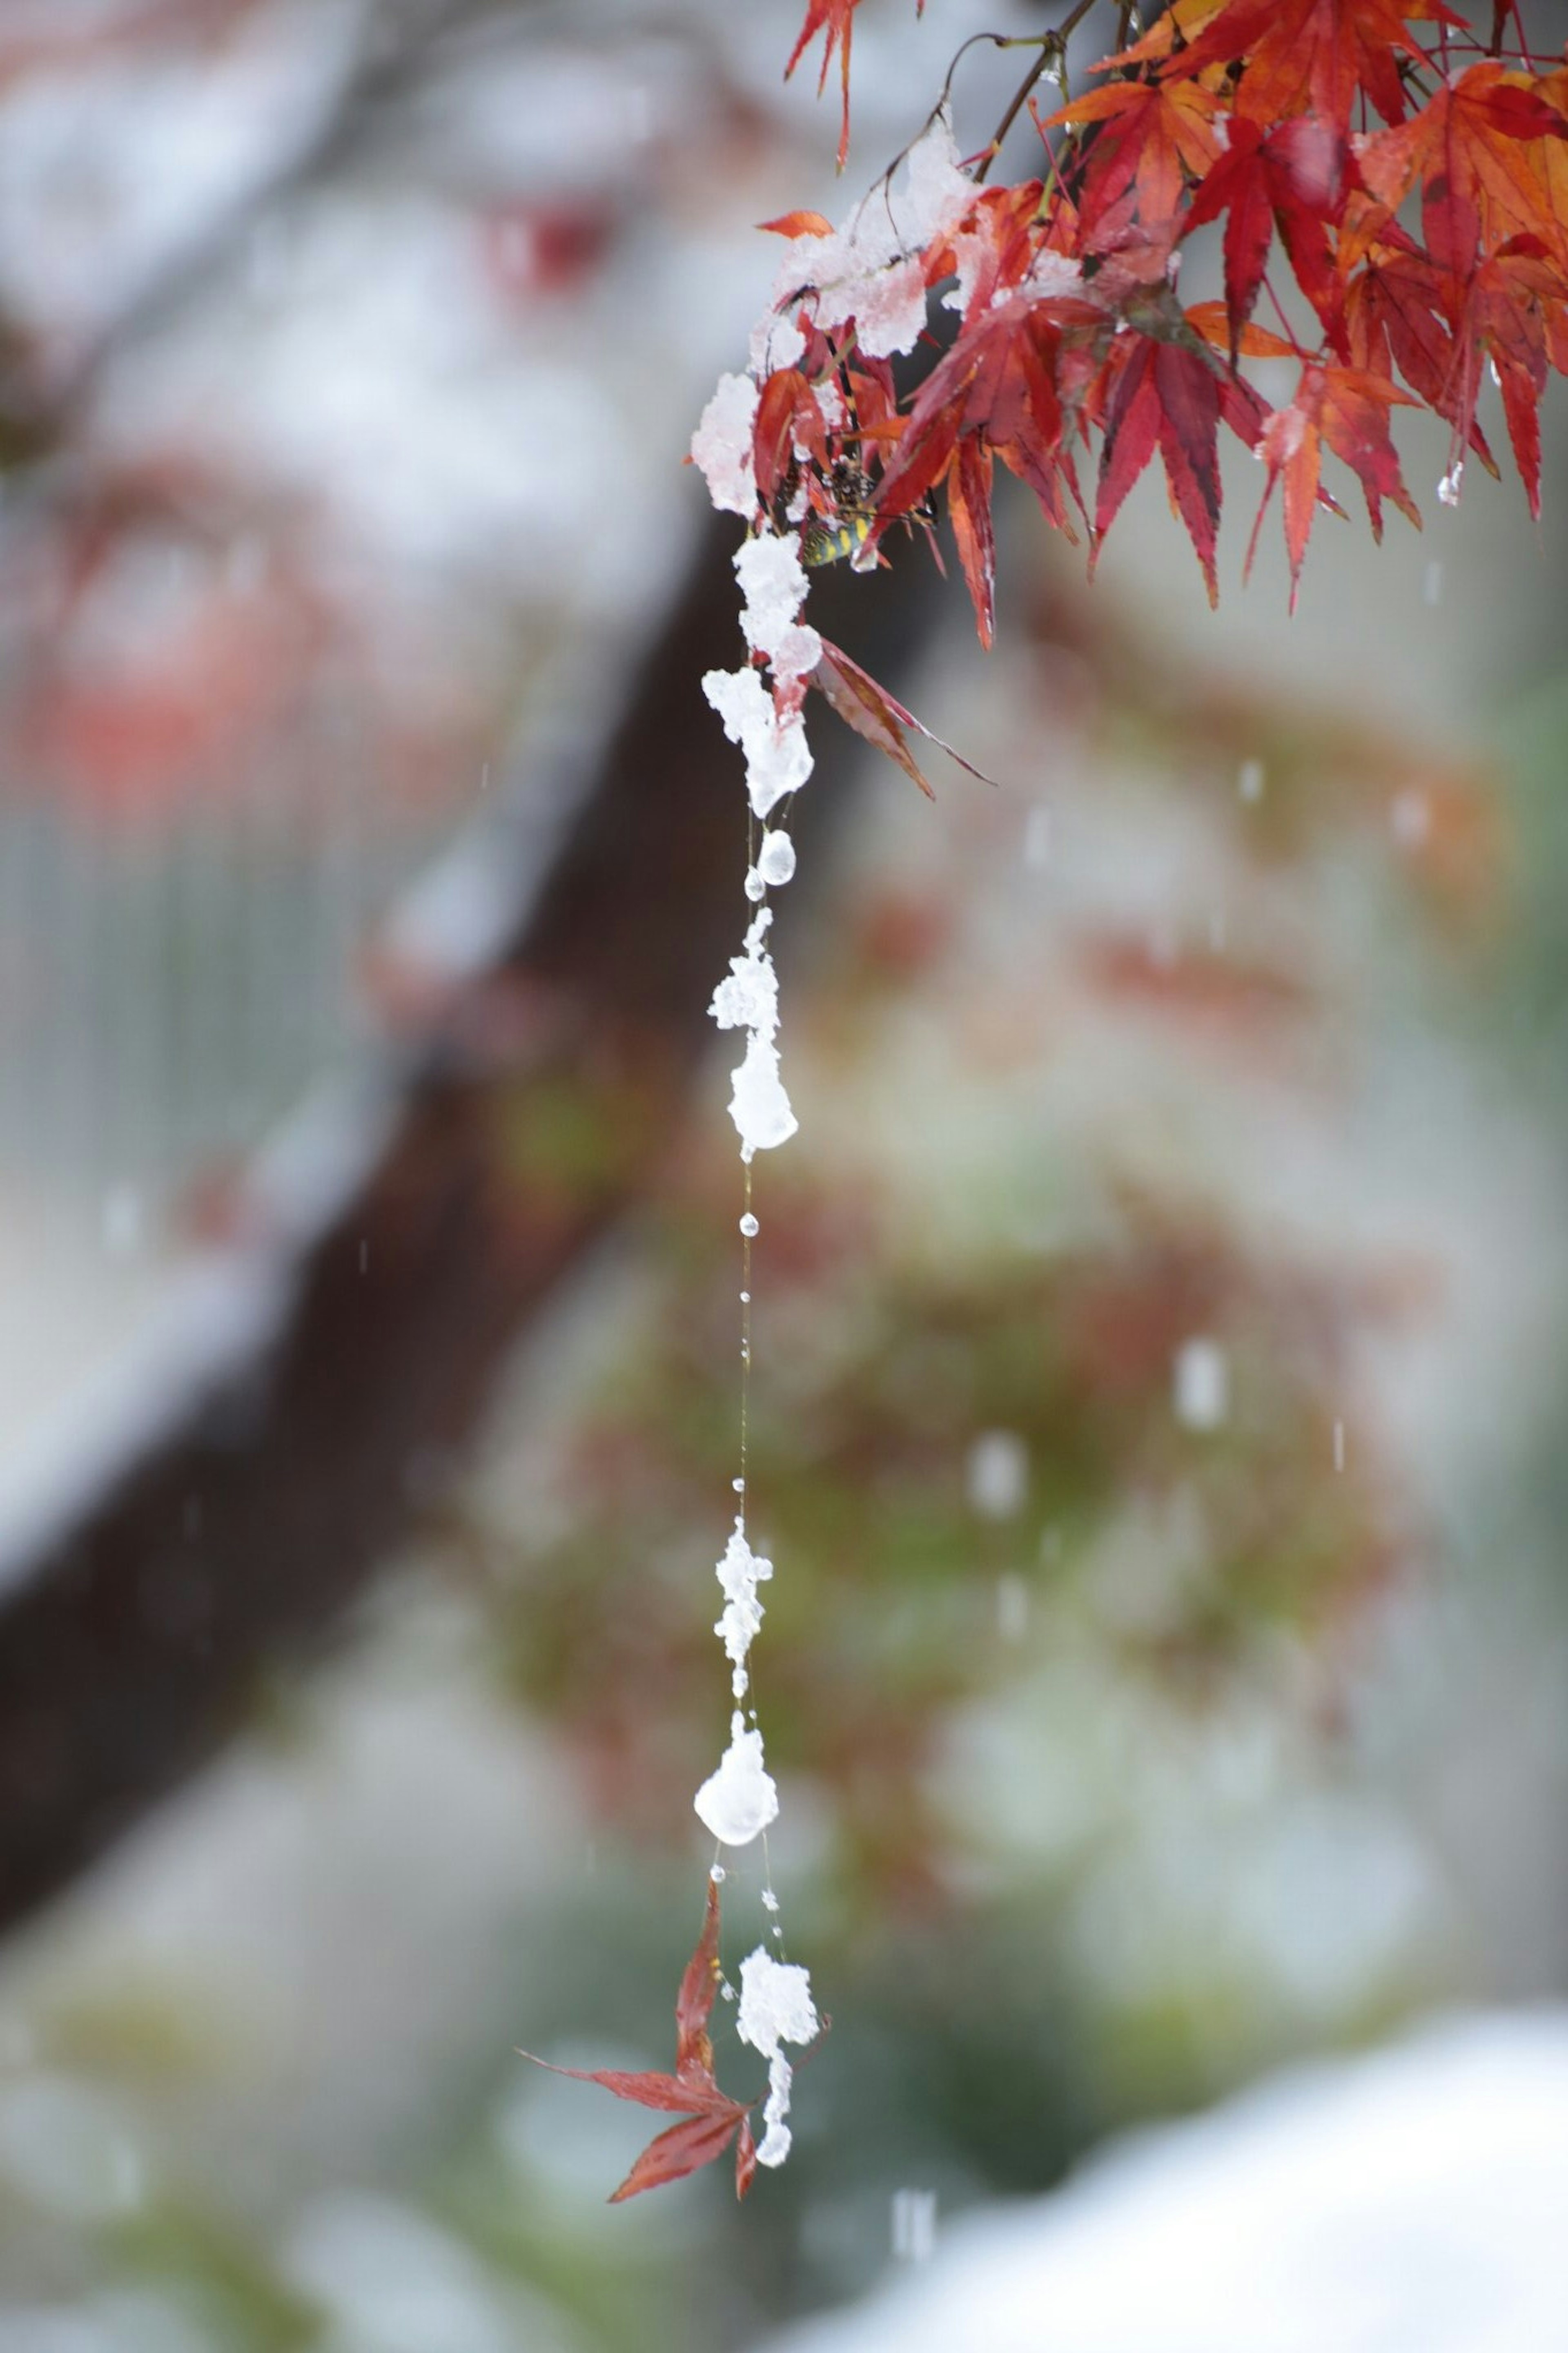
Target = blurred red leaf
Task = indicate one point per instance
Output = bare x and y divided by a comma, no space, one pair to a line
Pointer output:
878,716
835,20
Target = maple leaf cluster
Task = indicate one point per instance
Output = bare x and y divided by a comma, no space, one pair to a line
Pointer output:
1393,184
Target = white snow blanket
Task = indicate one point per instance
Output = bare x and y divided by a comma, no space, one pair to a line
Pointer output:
1413,2201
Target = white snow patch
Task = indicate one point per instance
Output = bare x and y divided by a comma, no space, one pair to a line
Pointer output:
1407,2202
778,758
721,444
870,271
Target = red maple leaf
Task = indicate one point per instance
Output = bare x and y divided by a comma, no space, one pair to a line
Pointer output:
1348,408
835,20
1397,311
876,714
712,2119
1293,177
1170,394
1507,304
1474,150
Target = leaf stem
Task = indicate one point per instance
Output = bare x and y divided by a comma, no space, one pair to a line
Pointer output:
1053,50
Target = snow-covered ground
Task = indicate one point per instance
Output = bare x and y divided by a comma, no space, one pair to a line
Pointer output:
1414,2201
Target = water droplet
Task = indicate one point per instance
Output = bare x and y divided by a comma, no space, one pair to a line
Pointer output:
1012,1608
739,1485
914,2224
1201,1383
718,1874
997,1475
745,1298
1410,817
749,1226
121,1221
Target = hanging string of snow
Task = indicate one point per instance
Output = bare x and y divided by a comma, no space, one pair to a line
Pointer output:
740,1798
870,271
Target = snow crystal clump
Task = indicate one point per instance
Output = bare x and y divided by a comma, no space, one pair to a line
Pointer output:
871,269
775,859
778,758
773,583
721,444
776,2008
738,1798
776,342
739,1573
748,998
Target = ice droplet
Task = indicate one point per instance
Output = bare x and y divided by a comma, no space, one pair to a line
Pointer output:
775,859
755,887
1448,489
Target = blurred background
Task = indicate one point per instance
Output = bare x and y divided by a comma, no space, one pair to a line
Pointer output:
1161,1319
